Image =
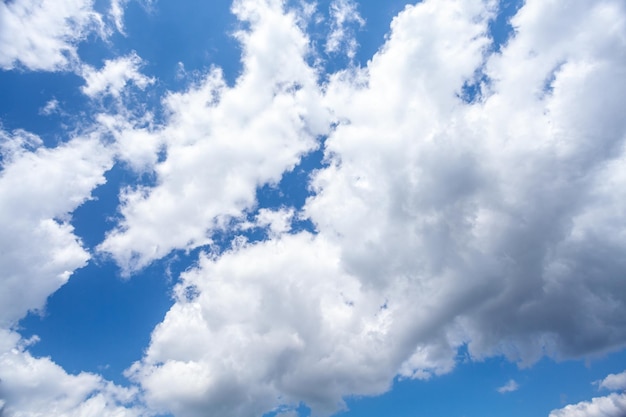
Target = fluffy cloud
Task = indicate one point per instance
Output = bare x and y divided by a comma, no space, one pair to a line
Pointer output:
613,405
614,382
510,386
244,338
442,219
221,142
500,204
39,189
37,386
114,76
44,34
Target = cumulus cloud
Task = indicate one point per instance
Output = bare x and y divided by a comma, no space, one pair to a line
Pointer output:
510,386
44,34
441,221
442,218
613,405
221,142
499,204
244,338
32,386
114,76
276,222
135,143
39,188
614,382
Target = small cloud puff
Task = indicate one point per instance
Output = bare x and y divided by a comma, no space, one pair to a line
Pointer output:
510,386
50,107
114,76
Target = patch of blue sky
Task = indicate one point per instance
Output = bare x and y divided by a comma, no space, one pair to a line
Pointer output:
471,389
196,33
99,322
293,188
26,95
500,28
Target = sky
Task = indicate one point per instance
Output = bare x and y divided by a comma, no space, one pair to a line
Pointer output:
281,208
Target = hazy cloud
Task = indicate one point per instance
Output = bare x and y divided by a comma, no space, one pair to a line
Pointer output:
342,14
510,386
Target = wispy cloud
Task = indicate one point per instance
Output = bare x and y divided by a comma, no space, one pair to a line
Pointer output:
341,37
510,386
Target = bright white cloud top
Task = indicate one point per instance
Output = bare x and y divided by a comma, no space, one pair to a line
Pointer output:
43,35
469,204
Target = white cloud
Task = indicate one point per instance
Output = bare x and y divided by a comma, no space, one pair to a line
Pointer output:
252,330
220,143
114,76
501,205
276,221
428,360
613,405
510,386
614,382
51,107
37,386
135,144
39,188
497,223
44,34
116,12
342,13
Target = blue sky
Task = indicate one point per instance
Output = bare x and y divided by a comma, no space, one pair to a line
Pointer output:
286,208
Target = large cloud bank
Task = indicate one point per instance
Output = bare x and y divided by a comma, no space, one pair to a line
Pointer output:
443,219
440,222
